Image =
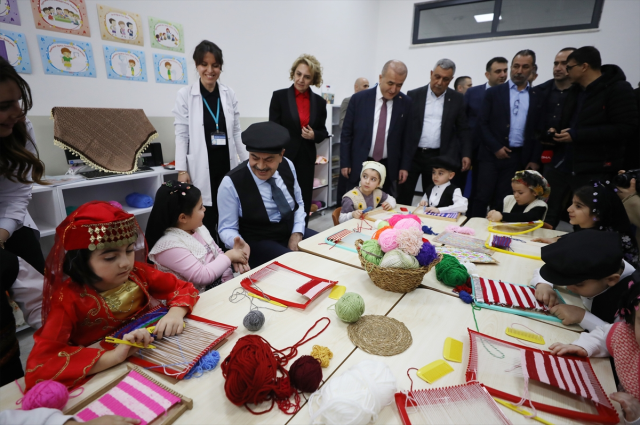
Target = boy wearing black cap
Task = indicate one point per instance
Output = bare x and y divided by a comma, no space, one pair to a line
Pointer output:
442,196
589,263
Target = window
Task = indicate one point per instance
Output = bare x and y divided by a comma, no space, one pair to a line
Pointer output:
449,20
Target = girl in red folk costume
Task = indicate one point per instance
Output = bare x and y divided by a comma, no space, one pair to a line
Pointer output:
96,281
621,341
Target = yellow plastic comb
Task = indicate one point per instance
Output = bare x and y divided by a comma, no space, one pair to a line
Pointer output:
434,371
251,294
452,350
337,292
524,335
113,340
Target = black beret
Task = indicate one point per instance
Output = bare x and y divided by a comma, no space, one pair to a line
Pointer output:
265,137
585,254
446,163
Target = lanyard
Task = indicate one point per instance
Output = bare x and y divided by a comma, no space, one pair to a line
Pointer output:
215,117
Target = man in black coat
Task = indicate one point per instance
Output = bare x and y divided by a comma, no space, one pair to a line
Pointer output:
599,119
439,128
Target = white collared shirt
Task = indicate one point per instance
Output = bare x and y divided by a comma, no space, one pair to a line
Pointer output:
459,202
376,118
432,125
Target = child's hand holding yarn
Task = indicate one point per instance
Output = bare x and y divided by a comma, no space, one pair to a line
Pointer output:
546,295
569,314
357,214
630,405
386,206
171,324
558,349
494,215
432,209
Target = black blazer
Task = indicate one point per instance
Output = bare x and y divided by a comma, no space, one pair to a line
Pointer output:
357,134
473,99
495,120
455,136
284,111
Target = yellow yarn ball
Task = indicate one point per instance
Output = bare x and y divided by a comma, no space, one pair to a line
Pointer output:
322,354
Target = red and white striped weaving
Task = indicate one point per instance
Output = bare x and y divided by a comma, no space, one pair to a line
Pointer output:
510,295
338,236
560,372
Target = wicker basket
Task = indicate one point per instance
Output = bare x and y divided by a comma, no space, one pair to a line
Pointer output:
394,279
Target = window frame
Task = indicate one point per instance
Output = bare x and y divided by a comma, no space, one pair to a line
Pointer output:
419,7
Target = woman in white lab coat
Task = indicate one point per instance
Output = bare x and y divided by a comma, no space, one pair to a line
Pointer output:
207,125
20,167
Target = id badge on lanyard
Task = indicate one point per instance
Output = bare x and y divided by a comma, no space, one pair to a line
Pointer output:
218,138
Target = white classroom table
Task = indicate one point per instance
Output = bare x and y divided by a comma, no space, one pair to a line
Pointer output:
431,317
281,329
316,245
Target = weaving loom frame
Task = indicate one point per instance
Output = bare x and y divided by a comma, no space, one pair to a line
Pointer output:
605,414
538,224
347,248
487,244
475,282
173,413
437,216
247,283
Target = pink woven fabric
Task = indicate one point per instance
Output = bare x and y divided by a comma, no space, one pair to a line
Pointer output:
134,397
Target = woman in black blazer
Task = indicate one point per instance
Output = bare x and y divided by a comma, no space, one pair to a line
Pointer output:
303,113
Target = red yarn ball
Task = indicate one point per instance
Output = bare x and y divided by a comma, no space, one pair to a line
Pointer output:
306,374
51,394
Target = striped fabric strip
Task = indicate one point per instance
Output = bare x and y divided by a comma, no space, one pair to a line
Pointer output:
134,397
338,236
510,295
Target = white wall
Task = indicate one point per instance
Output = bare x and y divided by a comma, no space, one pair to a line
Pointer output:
259,40
618,40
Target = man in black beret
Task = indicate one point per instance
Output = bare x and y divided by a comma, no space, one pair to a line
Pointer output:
260,200
589,263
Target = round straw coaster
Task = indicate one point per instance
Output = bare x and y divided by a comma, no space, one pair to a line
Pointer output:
380,335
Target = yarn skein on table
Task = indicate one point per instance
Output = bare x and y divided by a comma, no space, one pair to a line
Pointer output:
254,320
322,354
399,259
306,374
427,254
450,272
350,307
50,394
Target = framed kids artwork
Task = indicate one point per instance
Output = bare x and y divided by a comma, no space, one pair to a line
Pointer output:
125,64
16,50
66,57
118,25
66,16
166,35
169,69
9,12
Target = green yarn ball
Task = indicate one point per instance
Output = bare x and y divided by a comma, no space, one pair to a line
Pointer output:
450,272
399,259
372,252
350,307
383,224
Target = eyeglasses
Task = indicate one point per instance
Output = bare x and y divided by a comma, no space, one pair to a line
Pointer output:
570,67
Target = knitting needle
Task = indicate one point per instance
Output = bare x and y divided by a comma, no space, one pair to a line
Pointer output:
521,411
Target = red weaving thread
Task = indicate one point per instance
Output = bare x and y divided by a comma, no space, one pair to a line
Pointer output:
251,373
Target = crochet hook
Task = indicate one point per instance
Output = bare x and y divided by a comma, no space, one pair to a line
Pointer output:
251,294
521,411
113,340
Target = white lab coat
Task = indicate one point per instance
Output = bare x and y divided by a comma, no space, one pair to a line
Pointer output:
191,148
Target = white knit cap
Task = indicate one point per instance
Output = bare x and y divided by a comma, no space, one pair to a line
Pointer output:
373,165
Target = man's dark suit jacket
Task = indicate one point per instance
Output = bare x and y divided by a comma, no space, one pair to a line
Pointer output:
357,135
473,99
455,136
495,120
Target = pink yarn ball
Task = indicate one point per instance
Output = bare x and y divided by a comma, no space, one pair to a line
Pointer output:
396,218
387,240
407,223
51,394
409,240
462,230
115,204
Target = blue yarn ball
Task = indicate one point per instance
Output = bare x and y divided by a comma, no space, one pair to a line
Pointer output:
466,297
427,254
428,230
206,363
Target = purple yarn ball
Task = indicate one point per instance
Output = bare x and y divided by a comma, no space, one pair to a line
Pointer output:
427,254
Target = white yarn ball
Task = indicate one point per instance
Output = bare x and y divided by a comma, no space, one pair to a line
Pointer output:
355,397
471,268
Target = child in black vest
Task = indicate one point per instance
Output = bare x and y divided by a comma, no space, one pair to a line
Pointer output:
589,263
528,202
442,196
368,194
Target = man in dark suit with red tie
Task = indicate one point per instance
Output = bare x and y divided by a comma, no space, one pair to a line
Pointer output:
377,128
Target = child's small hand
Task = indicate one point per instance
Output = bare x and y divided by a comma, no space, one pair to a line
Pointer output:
545,240
171,324
559,349
423,204
569,314
123,351
629,404
546,295
386,206
236,256
494,215
357,214
432,209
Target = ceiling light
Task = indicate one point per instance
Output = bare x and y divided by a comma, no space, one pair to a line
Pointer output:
487,17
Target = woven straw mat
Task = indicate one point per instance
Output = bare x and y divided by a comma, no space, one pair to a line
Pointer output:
111,139
380,335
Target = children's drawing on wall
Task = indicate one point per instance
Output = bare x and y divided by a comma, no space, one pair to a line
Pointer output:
125,64
66,16
9,12
119,25
166,35
17,54
170,69
66,57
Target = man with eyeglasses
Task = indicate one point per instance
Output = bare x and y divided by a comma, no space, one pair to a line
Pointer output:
507,131
599,119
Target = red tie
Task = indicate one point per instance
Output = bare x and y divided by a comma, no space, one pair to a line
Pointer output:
378,149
